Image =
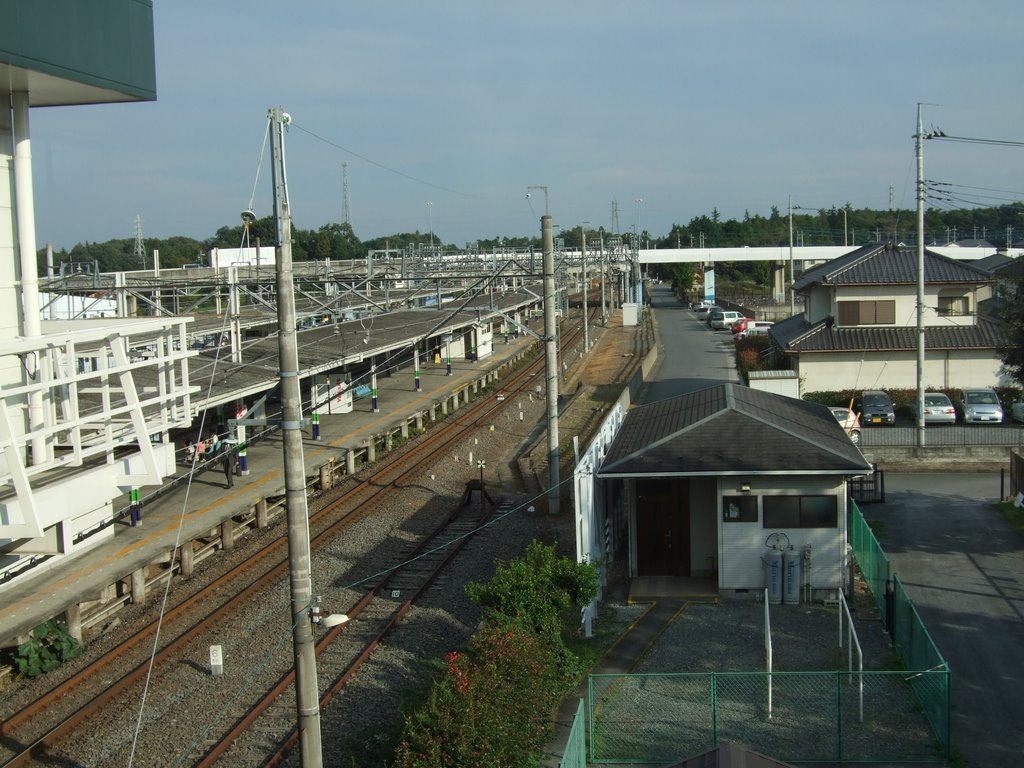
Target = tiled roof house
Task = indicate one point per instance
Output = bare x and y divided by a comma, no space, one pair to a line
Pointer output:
859,330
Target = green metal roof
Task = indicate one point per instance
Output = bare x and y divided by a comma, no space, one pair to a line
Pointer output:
71,52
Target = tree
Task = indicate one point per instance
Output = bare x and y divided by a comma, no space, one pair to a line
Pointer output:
1009,313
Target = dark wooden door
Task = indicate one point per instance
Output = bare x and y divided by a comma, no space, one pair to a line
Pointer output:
663,527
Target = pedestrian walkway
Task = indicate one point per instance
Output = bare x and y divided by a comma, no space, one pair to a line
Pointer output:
192,509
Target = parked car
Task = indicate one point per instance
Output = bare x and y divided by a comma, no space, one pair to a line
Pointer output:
876,407
849,421
704,310
981,406
938,409
740,324
753,328
723,319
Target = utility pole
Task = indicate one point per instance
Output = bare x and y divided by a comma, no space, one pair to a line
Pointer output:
604,305
919,152
583,252
550,360
792,300
307,697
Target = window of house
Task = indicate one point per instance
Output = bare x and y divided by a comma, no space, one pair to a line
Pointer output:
867,312
739,509
954,305
800,512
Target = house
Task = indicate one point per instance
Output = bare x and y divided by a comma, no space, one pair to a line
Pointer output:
859,330
695,486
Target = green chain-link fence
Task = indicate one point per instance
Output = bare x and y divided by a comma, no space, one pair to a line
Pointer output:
873,562
918,651
914,645
808,717
792,716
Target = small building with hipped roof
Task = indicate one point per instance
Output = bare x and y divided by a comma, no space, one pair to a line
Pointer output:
705,484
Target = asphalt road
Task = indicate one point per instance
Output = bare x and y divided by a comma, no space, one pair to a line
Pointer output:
694,357
963,566
960,562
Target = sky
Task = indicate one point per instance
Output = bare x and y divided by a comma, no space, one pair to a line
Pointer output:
447,111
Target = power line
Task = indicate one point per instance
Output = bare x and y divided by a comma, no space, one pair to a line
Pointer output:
330,143
970,140
964,186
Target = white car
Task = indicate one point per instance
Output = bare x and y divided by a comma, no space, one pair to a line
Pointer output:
849,421
754,328
724,319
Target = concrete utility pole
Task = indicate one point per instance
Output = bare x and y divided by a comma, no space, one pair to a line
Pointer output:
792,299
604,306
307,697
583,251
551,362
920,279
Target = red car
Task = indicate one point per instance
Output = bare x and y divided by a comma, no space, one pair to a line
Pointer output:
740,325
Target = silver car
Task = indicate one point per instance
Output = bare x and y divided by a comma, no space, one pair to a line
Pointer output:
981,406
938,409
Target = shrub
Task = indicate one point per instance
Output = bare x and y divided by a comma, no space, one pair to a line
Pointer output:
492,707
537,591
493,704
49,645
750,354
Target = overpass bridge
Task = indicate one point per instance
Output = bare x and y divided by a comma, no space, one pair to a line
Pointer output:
804,254
792,260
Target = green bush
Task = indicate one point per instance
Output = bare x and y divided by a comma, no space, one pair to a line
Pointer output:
49,645
493,706
537,591
494,703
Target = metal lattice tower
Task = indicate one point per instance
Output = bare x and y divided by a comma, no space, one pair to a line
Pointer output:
139,251
346,211
615,216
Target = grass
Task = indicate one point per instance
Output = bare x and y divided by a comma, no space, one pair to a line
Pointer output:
1013,515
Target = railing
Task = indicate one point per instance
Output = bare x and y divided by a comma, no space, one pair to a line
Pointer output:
851,641
575,755
944,435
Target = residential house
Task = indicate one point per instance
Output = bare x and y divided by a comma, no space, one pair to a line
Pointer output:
859,329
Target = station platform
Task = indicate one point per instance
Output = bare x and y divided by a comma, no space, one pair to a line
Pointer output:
190,509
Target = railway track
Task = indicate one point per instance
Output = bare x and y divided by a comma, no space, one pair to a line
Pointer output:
164,655
268,727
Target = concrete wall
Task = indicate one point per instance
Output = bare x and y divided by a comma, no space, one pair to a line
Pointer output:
943,369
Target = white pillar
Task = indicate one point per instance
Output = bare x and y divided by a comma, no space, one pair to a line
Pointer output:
25,209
